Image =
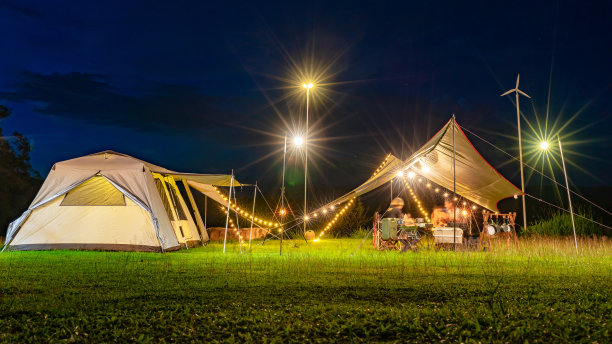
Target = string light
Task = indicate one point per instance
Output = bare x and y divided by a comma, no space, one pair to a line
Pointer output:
417,201
381,165
247,215
335,218
233,227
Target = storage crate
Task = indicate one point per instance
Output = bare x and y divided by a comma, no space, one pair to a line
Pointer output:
444,235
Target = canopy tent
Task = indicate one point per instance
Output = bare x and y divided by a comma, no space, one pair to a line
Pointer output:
475,179
112,201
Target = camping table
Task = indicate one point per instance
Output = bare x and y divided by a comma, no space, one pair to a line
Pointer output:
409,236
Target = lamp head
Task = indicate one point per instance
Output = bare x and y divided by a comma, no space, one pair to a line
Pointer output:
298,141
544,145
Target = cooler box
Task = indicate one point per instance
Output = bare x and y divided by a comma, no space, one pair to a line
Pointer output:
444,235
389,228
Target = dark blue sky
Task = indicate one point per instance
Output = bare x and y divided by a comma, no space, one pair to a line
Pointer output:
199,85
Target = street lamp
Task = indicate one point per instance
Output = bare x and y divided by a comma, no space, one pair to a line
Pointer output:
544,146
298,140
307,87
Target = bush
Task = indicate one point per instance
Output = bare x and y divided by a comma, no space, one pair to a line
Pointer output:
560,224
356,218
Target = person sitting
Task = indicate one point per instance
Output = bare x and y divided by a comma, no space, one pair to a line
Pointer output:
409,220
439,216
395,209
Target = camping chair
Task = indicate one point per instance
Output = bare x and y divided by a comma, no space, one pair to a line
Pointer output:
385,234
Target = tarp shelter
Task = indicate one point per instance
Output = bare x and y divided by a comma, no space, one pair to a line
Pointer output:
474,178
112,201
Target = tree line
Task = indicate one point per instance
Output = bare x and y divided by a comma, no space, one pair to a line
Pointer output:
18,181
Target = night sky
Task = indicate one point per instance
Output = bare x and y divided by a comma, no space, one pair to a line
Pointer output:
202,86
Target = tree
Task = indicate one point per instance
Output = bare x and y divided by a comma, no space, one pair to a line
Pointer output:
18,181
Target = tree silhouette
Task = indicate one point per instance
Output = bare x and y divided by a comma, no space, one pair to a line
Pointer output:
18,181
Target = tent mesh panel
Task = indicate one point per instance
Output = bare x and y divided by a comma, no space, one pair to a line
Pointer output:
96,191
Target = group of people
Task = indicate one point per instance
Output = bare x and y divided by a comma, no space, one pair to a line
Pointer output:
440,217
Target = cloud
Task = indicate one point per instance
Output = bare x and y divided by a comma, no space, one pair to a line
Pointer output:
93,98
19,8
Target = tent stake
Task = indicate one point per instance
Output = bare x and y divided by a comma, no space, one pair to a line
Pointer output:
229,200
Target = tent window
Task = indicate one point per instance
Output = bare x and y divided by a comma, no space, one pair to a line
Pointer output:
96,191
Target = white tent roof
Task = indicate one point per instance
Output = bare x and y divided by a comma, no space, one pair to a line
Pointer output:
476,180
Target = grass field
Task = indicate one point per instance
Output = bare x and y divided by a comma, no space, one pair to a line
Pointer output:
312,293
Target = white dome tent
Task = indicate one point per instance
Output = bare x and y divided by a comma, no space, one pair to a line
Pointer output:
111,201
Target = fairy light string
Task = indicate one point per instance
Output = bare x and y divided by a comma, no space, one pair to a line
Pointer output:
336,217
246,214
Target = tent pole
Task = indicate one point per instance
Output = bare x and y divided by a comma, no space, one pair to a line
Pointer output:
283,197
237,221
306,164
454,192
569,197
252,214
205,212
177,218
229,200
196,211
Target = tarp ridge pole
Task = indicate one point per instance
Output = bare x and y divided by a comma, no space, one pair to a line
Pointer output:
569,196
454,192
252,214
229,200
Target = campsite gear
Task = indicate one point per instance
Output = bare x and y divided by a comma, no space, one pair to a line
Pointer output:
444,235
491,229
380,243
409,238
310,235
503,225
112,201
389,228
388,235
506,226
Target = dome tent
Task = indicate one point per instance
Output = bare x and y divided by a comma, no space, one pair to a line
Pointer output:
110,201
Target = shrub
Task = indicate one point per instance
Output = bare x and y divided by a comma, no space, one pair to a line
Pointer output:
560,224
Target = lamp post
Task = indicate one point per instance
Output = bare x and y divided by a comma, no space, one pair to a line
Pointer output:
544,146
307,87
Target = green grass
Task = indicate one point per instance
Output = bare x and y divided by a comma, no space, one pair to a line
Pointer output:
312,293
